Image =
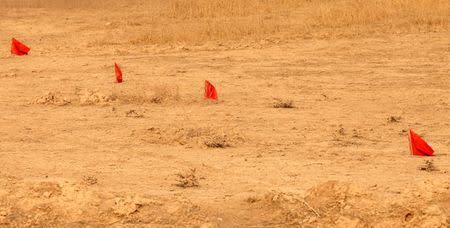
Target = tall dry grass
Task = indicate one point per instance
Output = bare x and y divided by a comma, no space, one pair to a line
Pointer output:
197,21
395,14
200,21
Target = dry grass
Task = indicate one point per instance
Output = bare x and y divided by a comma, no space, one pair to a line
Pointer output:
199,21
382,15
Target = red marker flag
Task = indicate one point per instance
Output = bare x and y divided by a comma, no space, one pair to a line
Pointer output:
18,48
418,146
118,73
210,91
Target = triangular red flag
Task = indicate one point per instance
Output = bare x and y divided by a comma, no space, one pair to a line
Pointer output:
418,146
18,48
210,91
118,73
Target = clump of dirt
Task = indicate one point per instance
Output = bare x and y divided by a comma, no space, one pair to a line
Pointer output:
280,208
329,197
207,137
46,189
187,179
52,98
217,141
90,97
134,114
283,103
125,206
90,180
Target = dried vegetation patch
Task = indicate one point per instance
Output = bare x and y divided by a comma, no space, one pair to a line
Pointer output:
197,22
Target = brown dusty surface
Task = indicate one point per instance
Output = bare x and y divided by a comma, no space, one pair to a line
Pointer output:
78,149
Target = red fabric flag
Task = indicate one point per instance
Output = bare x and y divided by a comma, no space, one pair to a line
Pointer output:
418,146
210,91
18,48
118,73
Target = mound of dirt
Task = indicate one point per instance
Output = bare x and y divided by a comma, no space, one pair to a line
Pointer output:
63,203
330,204
329,197
158,94
207,137
338,204
52,98
90,97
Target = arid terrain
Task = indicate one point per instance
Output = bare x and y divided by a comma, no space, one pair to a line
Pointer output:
310,130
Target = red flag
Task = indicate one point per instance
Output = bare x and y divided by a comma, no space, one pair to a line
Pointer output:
210,91
418,146
118,73
18,48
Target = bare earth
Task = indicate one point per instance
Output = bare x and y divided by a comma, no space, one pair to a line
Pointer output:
77,149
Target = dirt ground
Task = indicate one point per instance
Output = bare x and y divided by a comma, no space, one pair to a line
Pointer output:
78,149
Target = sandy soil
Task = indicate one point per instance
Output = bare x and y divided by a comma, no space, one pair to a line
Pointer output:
78,149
